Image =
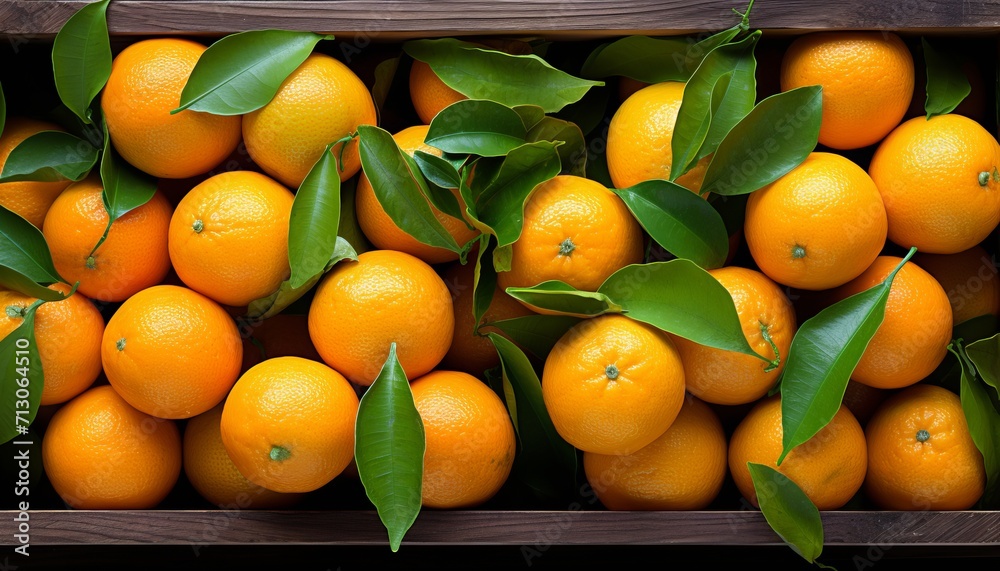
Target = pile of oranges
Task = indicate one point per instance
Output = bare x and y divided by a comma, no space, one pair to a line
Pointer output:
156,338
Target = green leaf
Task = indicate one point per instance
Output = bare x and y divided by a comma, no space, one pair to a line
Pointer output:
985,355
125,187
983,418
25,256
241,72
286,295
549,460
572,151
15,281
385,73
49,156
536,333
589,112
947,84
975,328
530,115
563,298
81,58
350,230
823,355
441,197
771,140
484,284
501,204
21,377
437,170
507,79
397,189
476,127
314,220
789,512
680,221
389,449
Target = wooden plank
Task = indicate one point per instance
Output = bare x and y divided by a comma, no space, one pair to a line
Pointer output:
391,19
967,529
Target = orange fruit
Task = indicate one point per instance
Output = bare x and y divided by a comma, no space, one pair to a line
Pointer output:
213,474
362,307
171,352
640,135
383,232
132,258
817,227
939,182
867,80
145,85
576,231
429,94
829,467
727,377
469,436
470,351
229,237
283,335
319,103
28,199
100,453
921,455
612,385
969,278
68,337
914,335
683,469
288,424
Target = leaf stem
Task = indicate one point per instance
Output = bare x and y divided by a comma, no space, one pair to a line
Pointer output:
765,332
90,258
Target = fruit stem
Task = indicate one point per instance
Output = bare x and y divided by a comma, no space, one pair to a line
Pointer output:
798,252
279,453
611,371
91,262
984,178
120,344
14,311
765,332
566,247
198,226
923,435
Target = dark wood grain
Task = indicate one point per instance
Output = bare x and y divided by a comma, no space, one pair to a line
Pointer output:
529,528
391,19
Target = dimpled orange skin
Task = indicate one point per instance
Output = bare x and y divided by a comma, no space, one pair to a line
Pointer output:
817,227
68,337
145,86
240,253
319,103
429,94
867,80
829,467
945,471
929,175
383,232
470,439
576,231
612,385
288,424
134,256
100,453
29,199
726,377
211,471
171,352
914,335
969,278
640,135
386,297
683,469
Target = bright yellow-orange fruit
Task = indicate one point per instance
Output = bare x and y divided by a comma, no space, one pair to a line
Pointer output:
429,94
288,424
613,385
470,439
683,469
939,182
386,297
29,199
867,80
100,453
921,455
145,86
829,467
229,237
969,278
171,352
817,227
319,103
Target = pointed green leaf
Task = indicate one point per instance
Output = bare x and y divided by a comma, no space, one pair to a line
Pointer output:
947,84
25,255
389,449
501,205
125,187
680,221
561,297
771,140
823,355
985,355
49,156
350,230
314,220
440,196
530,115
489,74
287,295
81,58
485,279
572,151
788,510
981,413
589,112
476,127
437,170
241,72
21,377
536,333
15,281
501,258
385,74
